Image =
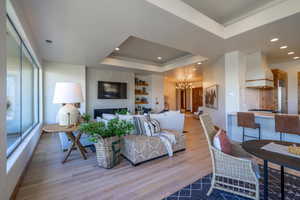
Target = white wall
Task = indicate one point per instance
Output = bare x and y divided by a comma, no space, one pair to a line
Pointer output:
238,97
59,72
170,93
3,175
214,73
229,73
157,91
233,66
88,78
94,75
292,68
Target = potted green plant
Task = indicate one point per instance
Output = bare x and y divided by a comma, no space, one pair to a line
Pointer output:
86,117
107,138
122,112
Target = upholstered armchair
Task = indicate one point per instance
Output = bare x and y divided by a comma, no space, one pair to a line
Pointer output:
198,112
233,173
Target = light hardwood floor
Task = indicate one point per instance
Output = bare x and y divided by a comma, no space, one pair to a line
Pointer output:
47,178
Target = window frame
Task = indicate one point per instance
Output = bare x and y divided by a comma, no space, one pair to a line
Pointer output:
24,134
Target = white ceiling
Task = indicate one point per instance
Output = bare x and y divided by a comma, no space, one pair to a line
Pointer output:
226,11
88,36
139,49
86,32
192,73
287,30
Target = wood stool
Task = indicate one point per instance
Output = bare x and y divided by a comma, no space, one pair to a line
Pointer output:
287,124
247,120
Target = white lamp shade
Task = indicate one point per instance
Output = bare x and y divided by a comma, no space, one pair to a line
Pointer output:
67,92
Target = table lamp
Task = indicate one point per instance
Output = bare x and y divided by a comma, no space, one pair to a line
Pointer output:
67,93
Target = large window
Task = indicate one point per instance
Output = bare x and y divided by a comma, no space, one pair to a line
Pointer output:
22,90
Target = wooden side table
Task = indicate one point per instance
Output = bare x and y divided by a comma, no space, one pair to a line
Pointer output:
75,139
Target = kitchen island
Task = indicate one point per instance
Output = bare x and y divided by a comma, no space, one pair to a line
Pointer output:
267,123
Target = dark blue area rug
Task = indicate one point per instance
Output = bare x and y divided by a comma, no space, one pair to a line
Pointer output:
198,190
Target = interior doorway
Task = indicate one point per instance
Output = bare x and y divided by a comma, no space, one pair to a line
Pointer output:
182,100
197,98
188,100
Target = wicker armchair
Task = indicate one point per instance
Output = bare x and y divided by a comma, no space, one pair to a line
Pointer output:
231,174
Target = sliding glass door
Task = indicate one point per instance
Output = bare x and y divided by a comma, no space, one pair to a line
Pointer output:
22,90
13,84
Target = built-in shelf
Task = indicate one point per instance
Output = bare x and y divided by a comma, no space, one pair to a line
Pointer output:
141,93
141,84
141,103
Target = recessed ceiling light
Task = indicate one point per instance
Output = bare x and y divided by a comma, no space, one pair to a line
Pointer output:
296,57
283,47
199,63
274,40
117,49
49,41
159,58
291,53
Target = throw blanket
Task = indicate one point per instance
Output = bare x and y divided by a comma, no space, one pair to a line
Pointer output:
168,139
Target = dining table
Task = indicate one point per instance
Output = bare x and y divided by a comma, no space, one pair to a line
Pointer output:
256,148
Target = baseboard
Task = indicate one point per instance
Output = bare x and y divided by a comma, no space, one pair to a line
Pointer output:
13,196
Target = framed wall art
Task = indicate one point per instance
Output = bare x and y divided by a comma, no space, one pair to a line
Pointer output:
211,97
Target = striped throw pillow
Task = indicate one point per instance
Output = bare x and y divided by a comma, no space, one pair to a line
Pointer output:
139,124
149,128
156,125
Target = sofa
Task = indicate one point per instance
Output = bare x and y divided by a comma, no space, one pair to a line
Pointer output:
138,149
172,120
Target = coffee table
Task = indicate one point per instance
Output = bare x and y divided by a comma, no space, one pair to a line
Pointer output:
254,147
75,139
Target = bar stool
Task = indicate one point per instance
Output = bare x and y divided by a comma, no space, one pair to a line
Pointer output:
287,124
247,120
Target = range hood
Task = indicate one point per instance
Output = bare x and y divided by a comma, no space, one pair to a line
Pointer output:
258,74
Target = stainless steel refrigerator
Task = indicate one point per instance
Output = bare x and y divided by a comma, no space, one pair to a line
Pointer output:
281,97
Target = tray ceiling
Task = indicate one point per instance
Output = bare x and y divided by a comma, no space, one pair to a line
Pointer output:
139,49
225,11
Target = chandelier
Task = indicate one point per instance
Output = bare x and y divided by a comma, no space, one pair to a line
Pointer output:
184,82
183,85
